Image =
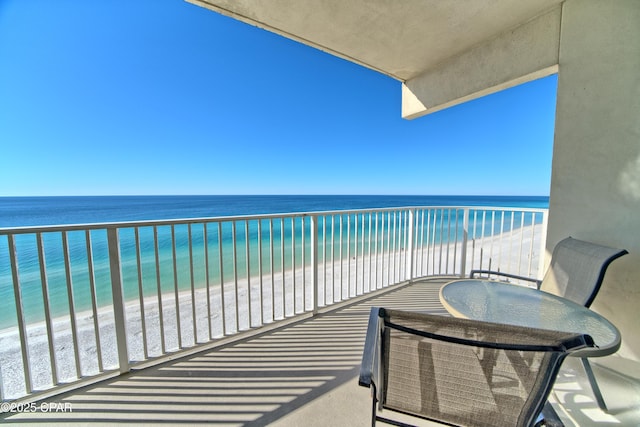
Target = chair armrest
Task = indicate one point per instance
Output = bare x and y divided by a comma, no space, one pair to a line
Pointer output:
512,276
371,348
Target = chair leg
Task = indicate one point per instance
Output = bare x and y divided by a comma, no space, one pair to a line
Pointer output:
548,417
594,385
374,415
374,412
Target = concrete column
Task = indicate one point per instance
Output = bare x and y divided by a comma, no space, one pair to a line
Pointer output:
595,185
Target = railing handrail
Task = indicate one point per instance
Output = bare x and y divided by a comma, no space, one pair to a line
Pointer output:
184,221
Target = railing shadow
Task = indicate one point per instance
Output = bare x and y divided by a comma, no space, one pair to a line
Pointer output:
573,391
252,382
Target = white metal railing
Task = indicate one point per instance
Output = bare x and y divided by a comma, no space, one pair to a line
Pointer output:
86,300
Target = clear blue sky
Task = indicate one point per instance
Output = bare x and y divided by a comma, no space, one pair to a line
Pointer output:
118,97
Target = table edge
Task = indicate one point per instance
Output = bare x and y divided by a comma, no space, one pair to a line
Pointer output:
589,352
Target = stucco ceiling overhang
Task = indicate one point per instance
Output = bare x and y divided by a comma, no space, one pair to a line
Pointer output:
400,38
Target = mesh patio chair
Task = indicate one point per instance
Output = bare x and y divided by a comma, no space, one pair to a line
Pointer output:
459,371
576,272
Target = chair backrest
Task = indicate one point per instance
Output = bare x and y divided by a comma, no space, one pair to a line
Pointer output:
577,269
466,372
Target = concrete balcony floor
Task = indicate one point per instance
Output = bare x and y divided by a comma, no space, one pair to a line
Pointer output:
302,374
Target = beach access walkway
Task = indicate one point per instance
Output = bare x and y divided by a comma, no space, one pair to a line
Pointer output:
301,374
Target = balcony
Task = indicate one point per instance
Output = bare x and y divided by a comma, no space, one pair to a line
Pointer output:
243,320
304,373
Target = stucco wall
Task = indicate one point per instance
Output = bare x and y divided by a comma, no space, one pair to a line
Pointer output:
595,186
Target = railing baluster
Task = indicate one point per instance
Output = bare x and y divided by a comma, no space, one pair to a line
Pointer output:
207,280
234,243
362,250
441,240
341,260
511,239
355,248
426,248
533,229
473,238
94,299
425,271
378,264
360,253
433,241
22,326
521,244
156,245
402,246
411,238
448,235
314,261
407,245
140,291
427,243
333,262
248,270
293,262
388,242
380,260
393,251
400,256
223,314
369,253
392,246
402,243
455,241
273,275
422,229
260,274
282,270
71,301
419,243
482,239
324,260
175,285
47,312
193,285
500,239
465,241
543,237
348,255
304,266
493,234
118,299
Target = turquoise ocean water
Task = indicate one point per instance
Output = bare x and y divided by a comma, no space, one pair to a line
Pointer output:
39,211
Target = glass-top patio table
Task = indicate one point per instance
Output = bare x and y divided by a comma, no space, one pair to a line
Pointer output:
518,305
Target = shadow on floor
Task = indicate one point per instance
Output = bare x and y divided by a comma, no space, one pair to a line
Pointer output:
303,374
252,382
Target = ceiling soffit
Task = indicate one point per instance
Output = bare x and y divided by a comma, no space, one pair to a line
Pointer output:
402,39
